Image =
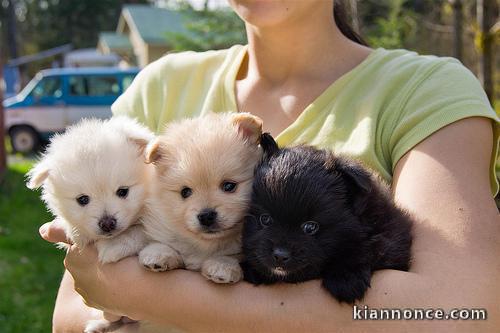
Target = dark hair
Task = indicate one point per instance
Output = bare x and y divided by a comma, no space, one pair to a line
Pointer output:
340,17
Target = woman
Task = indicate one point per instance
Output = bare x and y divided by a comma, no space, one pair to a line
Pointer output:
424,123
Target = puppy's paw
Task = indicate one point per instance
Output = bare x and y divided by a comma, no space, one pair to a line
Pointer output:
250,274
347,286
222,270
126,244
158,258
109,254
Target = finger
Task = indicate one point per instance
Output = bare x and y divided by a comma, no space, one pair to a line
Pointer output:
111,316
54,232
81,258
88,303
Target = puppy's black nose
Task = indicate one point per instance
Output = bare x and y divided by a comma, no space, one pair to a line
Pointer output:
107,223
207,217
281,255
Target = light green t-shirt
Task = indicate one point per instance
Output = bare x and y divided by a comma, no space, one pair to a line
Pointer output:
376,112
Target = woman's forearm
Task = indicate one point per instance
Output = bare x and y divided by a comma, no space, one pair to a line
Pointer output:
186,300
70,313
455,262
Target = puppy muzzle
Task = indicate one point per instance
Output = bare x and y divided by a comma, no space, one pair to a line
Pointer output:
107,224
207,219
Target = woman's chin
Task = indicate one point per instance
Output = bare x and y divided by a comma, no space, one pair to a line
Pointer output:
267,14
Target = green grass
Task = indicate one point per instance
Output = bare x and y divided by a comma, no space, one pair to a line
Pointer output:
30,268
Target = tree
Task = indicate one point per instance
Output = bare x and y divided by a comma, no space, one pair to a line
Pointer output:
458,22
485,39
44,24
11,29
394,30
353,4
207,30
3,157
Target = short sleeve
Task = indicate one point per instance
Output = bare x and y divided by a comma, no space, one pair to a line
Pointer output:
446,93
144,98
177,86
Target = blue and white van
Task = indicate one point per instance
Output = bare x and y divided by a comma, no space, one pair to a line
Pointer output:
57,98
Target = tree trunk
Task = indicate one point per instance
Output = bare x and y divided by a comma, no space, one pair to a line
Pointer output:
485,18
11,29
354,15
3,157
458,22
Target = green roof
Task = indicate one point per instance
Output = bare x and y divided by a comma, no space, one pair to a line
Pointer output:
115,41
153,23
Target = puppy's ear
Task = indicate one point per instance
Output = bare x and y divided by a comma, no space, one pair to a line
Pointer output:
249,126
269,146
152,153
37,176
359,180
141,143
135,133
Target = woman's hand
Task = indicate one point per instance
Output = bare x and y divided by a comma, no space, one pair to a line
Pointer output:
96,283
54,232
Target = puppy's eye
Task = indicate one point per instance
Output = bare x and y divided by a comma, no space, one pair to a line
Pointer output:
186,192
228,187
122,192
266,220
83,200
310,227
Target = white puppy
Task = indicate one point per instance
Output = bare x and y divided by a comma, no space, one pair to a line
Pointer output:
95,180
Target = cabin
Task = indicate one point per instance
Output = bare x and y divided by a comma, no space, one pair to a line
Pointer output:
141,35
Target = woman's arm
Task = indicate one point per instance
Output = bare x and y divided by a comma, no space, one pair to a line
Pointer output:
70,314
444,180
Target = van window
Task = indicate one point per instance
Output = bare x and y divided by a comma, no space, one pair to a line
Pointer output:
127,81
93,86
48,87
78,86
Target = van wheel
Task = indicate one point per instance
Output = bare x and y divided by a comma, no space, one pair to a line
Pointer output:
24,139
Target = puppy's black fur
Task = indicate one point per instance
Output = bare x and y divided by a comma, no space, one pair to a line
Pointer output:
319,215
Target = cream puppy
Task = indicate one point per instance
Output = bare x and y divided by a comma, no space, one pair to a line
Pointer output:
95,180
204,170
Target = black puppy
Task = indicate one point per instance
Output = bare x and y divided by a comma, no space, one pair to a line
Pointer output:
318,215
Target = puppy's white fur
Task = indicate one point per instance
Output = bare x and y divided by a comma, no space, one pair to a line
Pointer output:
95,158
201,154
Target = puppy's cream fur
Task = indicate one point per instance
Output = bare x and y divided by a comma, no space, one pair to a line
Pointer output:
201,154
95,158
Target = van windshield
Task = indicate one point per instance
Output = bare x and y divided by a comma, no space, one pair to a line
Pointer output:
48,87
43,87
29,87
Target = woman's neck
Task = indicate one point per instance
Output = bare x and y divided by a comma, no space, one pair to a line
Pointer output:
290,64
301,50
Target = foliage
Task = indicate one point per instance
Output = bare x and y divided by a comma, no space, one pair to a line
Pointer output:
395,30
49,23
30,268
208,30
